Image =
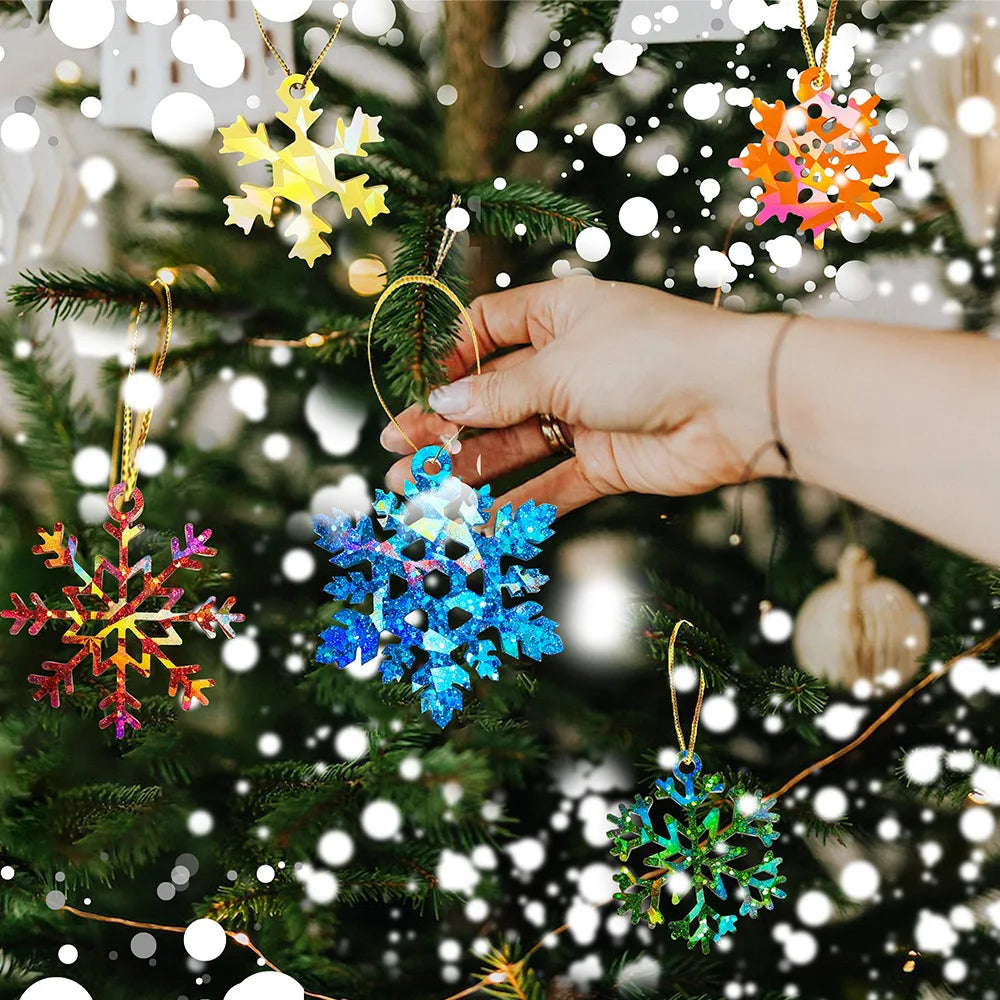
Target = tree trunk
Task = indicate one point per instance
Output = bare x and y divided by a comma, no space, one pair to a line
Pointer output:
472,123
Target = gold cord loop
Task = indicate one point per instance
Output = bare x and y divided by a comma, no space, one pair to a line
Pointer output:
433,281
827,35
688,749
130,445
416,279
281,62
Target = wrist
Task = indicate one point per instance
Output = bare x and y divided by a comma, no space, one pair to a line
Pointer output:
748,398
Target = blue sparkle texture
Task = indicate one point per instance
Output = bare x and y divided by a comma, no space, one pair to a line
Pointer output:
697,845
449,593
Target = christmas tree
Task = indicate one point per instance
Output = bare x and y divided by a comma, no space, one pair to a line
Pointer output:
361,848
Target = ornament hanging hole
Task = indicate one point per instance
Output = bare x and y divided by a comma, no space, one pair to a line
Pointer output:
431,465
810,83
687,766
117,500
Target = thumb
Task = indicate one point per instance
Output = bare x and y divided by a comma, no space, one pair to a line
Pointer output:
494,399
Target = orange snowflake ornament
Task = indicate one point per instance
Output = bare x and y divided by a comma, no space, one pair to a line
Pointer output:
817,159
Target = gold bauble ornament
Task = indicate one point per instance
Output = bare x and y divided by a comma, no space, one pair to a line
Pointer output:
861,627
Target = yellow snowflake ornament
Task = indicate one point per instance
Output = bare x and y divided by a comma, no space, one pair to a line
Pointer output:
304,172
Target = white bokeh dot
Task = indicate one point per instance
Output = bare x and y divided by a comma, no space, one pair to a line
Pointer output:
619,57
240,654
719,713
142,391
526,141
859,880
784,250
609,139
183,120
282,10
322,887
947,38
200,823
638,216
593,244
381,819
276,447
19,132
81,24
457,219
447,94
90,107
668,165
92,466
335,848
976,115
204,940
776,625
373,17
854,281
68,954
814,908
351,743
977,824
702,100
830,804
298,565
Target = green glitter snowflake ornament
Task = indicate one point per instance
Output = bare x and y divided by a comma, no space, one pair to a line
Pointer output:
694,851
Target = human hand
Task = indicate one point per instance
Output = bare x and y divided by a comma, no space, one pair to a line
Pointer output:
660,394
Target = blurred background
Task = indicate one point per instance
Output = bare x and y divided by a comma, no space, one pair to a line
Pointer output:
365,851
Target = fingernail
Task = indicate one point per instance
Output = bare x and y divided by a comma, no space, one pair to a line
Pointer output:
451,399
391,439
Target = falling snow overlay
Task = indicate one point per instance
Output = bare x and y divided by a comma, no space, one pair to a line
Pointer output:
304,171
816,160
454,583
695,852
115,614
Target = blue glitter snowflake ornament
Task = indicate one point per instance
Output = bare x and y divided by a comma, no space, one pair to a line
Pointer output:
425,572
694,852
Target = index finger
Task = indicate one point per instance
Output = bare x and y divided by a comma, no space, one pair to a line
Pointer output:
522,315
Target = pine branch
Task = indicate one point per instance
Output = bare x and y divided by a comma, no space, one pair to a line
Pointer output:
544,214
508,978
703,642
578,19
69,296
69,95
418,324
791,688
405,186
246,903
50,418
570,94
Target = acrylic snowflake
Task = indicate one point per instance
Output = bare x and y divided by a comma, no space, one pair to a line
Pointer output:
304,172
817,160
437,582
118,606
694,851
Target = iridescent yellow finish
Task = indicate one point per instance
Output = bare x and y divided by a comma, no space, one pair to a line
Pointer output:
303,172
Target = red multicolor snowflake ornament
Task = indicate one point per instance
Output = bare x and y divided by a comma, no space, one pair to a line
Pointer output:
137,606
817,159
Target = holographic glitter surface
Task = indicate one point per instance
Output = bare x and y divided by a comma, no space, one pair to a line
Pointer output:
695,852
304,172
137,604
816,160
435,582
